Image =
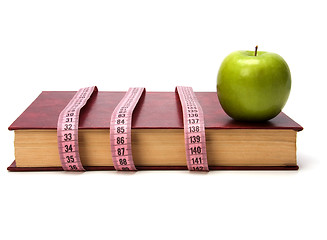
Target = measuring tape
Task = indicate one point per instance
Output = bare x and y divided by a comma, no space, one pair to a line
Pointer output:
120,130
67,130
194,130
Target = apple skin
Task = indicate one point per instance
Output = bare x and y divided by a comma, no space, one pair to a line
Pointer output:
253,88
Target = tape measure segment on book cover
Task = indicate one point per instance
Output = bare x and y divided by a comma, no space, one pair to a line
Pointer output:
194,130
67,130
120,130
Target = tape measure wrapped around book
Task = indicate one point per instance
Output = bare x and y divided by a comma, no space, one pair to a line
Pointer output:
67,130
194,130
120,130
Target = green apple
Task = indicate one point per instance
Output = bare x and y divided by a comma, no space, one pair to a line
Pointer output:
253,85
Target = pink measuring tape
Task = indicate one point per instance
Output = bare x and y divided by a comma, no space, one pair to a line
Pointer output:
194,130
67,130
120,130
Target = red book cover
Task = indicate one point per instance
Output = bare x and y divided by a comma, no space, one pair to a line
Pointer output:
155,110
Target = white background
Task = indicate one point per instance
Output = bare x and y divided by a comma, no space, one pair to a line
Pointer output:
66,45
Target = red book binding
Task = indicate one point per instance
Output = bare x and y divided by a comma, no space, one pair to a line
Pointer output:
155,110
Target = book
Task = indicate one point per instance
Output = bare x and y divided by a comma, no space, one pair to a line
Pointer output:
157,134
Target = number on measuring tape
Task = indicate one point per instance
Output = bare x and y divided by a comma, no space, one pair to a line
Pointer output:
67,130
194,130
120,130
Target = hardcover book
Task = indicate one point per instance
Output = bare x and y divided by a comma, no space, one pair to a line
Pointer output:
157,135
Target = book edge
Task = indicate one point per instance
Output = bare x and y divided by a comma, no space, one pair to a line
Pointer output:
13,168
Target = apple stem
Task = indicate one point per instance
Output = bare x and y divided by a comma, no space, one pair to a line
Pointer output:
256,50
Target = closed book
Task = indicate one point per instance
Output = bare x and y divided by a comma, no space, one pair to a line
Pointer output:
157,134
